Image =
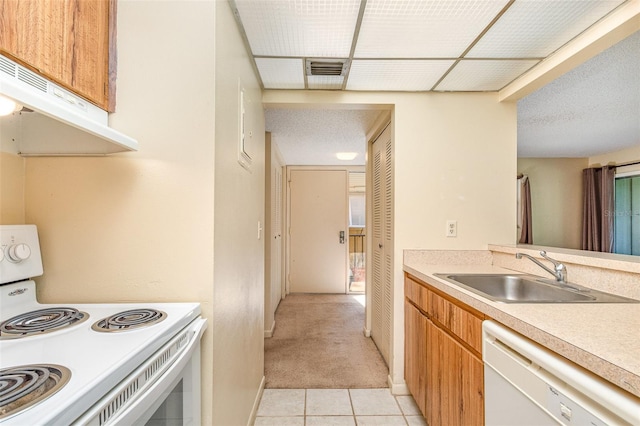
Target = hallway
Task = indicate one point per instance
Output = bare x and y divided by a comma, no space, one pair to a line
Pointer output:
320,369
319,343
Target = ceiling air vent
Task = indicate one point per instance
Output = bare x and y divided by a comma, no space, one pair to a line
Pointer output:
327,67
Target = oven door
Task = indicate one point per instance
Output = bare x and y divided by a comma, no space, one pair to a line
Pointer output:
170,397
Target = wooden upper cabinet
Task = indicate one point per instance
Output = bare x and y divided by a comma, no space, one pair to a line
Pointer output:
71,42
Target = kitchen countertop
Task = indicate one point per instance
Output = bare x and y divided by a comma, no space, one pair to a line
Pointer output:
602,338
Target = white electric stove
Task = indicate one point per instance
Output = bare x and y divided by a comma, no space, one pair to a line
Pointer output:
101,364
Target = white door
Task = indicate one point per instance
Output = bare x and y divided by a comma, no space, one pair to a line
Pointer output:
276,240
318,231
274,277
382,243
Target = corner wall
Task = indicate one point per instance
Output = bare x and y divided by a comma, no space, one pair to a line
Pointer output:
238,292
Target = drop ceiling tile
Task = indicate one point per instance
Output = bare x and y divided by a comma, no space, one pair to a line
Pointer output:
279,73
299,27
401,75
422,29
483,75
536,28
325,82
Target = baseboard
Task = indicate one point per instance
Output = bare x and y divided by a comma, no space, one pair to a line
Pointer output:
269,333
397,388
367,332
256,403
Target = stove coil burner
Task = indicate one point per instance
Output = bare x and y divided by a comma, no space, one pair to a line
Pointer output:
127,320
26,385
40,321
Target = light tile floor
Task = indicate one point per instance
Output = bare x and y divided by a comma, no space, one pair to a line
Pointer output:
325,407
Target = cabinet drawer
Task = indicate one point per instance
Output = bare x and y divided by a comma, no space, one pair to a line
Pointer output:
463,324
416,293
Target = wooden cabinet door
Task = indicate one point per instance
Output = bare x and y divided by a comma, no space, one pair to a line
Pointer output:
415,354
455,378
71,42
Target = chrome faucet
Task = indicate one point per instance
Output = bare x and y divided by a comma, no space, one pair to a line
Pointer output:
559,271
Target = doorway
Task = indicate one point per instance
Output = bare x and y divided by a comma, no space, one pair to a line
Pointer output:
295,131
317,230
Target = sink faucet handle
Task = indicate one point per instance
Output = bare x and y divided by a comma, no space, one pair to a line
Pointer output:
561,270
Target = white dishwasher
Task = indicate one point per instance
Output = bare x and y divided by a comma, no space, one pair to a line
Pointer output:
527,384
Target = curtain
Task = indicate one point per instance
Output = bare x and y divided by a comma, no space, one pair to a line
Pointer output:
598,208
525,232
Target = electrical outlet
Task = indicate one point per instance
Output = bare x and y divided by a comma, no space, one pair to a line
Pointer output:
452,228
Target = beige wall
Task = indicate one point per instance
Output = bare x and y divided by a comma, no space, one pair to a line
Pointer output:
455,158
139,226
238,326
619,157
12,173
556,199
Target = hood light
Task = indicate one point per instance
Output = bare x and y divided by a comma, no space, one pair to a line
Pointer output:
8,106
346,156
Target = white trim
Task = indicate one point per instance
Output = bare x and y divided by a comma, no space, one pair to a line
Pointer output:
366,331
397,388
627,174
269,333
256,403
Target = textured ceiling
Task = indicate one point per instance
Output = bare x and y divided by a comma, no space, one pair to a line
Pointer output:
312,137
591,110
409,45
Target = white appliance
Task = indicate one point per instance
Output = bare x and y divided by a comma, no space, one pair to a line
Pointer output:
526,384
54,120
144,369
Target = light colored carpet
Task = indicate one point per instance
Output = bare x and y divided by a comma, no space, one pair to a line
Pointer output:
319,343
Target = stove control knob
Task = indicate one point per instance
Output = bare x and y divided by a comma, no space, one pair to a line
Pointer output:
18,252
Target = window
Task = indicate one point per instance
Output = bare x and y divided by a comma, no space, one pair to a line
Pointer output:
357,212
627,215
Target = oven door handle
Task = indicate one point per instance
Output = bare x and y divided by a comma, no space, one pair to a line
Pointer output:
141,407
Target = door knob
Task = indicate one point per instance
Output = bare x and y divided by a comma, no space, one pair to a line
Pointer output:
379,245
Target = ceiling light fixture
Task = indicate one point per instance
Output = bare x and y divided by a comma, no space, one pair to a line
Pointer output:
346,156
8,106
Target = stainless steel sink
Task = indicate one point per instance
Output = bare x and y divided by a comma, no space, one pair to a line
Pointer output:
515,288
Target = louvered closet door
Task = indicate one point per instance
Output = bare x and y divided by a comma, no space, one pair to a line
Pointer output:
382,240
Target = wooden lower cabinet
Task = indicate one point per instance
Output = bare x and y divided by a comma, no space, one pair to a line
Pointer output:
415,354
443,361
455,382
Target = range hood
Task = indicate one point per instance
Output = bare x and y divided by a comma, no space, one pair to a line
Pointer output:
52,120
